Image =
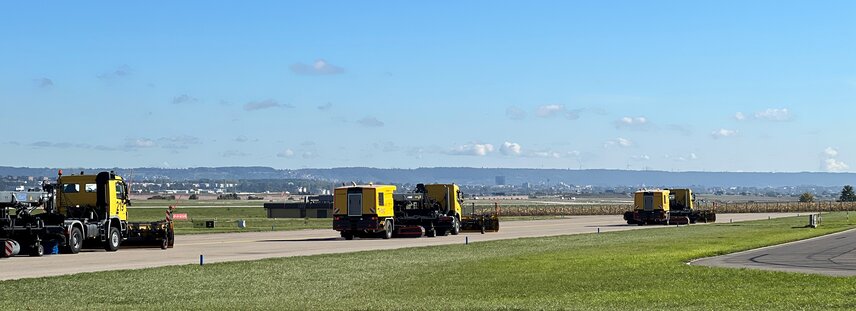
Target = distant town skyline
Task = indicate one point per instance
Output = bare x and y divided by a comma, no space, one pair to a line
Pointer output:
761,86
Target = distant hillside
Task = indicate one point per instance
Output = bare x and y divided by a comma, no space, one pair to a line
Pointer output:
467,175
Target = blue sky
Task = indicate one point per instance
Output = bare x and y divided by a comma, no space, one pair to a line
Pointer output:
665,85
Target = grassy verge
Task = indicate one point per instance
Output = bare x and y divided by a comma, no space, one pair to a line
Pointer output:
640,269
226,220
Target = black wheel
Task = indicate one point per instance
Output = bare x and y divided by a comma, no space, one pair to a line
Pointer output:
113,240
387,230
37,250
456,226
75,241
431,233
347,235
171,237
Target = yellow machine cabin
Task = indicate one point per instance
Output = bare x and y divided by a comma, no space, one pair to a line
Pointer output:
651,200
364,210
364,200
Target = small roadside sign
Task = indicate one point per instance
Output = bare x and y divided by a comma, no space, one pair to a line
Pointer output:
179,216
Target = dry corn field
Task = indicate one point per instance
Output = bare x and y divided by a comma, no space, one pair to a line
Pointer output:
618,209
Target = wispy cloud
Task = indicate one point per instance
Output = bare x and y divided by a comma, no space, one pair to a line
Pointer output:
553,110
619,142
774,114
184,99
319,67
325,107
265,104
739,116
139,143
722,133
637,123
43,82
370,121
121,72
178,142
515,113
472,150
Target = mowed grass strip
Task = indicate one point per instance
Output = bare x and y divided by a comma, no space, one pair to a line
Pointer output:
638,269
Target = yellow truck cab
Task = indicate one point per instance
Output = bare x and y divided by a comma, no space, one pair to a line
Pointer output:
96,206
364,211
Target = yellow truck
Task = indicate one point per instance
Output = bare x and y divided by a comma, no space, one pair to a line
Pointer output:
666,206
77,209
429,210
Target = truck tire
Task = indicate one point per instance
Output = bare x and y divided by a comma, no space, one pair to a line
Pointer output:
456,226
75,241
387,230
37,250
347,235
113,240
431,232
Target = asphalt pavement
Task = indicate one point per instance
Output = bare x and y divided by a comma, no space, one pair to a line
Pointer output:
833,254
223,247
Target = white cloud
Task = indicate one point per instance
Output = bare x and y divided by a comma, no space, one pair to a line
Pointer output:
633,120
140,143
693,156
509,148
472,149
287,153
774,114
515,113
621,142
643,157
830,152
740,116
722,133
552,110
319,67
548,111
833,165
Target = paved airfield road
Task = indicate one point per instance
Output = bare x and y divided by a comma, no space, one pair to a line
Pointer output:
833,254
223,247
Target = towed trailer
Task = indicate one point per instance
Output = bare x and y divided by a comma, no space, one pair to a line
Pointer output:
76,211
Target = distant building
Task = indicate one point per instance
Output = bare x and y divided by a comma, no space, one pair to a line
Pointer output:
500,180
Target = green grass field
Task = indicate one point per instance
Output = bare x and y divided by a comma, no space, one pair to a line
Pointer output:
640,269
226,218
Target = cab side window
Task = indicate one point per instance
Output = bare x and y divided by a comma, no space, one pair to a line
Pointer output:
380,199
120,191
71,188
